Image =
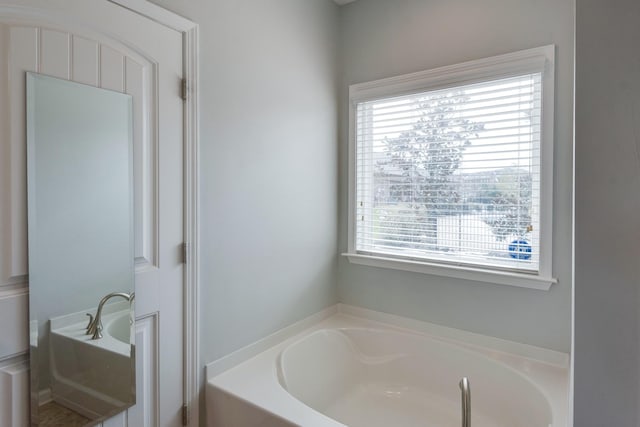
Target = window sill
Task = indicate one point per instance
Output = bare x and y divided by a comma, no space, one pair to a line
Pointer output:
521,280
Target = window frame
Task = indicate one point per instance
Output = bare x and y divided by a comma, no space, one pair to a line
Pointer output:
540,59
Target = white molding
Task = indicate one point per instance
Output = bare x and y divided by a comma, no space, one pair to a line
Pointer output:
15,281
547,134
190,34
158,14
192,369
146,411
44,396
14,318
14,290
14,393
227,362
537,59
506,65
149,169
498,277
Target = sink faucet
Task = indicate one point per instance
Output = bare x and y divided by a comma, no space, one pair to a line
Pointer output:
95,324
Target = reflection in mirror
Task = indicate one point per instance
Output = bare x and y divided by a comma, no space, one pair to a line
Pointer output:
81,260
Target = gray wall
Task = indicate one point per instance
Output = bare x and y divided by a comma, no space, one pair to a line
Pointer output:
607,219
268,165
382,38
270,73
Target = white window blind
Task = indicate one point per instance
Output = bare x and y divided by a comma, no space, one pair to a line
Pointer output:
452,175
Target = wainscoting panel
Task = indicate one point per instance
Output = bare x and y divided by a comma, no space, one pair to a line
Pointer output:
64,55
14,393
14,318
98,62
145,412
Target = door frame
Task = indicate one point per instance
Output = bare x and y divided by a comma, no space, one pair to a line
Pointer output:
191,142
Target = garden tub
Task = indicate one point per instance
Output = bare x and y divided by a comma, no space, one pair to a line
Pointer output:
353,371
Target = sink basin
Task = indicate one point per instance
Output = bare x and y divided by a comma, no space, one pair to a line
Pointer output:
93,376
119,328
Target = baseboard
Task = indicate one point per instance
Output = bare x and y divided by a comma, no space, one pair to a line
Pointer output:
44,396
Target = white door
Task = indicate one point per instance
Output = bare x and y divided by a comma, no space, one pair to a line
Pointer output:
99,43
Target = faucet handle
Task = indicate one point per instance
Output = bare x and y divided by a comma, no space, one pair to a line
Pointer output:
98,333
90,322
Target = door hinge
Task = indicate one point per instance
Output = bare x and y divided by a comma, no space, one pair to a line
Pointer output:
185,415
183,89
185,252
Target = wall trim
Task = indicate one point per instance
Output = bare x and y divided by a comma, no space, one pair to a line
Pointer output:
193,369
540,59
147,349
158,14
190,37
14,390
14,304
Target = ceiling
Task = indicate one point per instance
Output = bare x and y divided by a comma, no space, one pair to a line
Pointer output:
343,2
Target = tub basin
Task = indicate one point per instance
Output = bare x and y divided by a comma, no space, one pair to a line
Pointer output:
377,378
348,366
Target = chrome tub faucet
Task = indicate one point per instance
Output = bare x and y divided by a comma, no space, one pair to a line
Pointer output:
466,401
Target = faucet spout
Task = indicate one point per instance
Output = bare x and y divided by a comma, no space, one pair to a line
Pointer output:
466,402
95,326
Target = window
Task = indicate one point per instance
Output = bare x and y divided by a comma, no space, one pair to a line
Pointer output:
452,170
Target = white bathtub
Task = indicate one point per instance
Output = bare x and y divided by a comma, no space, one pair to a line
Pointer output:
357,372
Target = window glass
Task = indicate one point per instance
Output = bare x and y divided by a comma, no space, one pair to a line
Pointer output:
452,175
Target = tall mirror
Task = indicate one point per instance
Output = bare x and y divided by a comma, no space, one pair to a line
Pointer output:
81,256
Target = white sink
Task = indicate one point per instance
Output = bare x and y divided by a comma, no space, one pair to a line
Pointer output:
119,328
93,377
